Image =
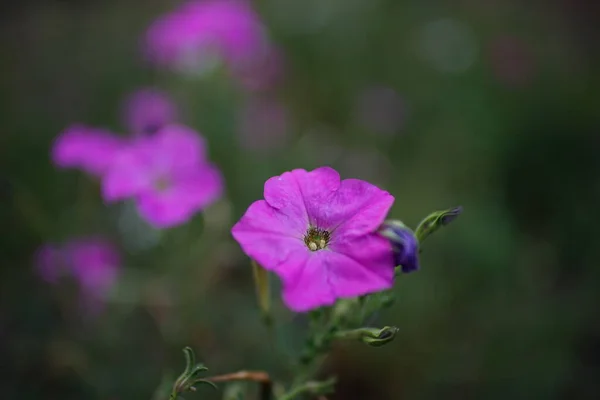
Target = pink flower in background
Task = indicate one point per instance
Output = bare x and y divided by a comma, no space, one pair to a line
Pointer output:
86,148
192,36
93,262
263,124
318,234
147,110
167,174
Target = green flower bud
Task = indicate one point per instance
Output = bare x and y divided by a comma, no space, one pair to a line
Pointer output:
435,221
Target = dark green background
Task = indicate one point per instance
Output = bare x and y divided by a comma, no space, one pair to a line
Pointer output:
506,303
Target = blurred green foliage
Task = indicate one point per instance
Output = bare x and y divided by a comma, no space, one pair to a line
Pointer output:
505,305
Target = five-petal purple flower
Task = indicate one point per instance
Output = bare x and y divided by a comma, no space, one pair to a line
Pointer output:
167,174
318,234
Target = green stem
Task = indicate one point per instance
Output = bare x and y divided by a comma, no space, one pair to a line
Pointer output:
314,387
296,391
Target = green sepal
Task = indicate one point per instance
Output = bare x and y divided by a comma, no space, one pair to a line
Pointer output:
375,337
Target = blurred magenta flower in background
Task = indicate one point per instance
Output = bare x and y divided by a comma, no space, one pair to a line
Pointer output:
147,110
89,149
317,233
92,262
263,124
199,35
167,174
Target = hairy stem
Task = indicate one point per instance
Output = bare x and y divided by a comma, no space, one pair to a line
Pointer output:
261,377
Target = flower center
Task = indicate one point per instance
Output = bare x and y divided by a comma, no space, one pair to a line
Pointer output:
316,239
162,183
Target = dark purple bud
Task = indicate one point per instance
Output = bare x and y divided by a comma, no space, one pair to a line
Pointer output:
404,244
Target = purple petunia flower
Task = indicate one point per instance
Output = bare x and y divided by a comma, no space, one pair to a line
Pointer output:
167,174
198,31
318,234
147,110
90,149
93,262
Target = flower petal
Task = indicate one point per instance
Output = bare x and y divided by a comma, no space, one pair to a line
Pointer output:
271,238
361,265
187,195
95,263
176,147
352,268
309,286
127,176
90,149
357,208
298,194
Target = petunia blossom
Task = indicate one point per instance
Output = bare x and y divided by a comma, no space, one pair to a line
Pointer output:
147,110
318,233
167,174
92,262
200,32
89,149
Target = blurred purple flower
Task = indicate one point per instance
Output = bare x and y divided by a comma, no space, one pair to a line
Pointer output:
318,233
191,36
380,109
167,174
94,263
147,110
87,148
263,124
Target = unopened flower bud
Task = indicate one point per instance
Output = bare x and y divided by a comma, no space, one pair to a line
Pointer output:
404,243
435,221
375,337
